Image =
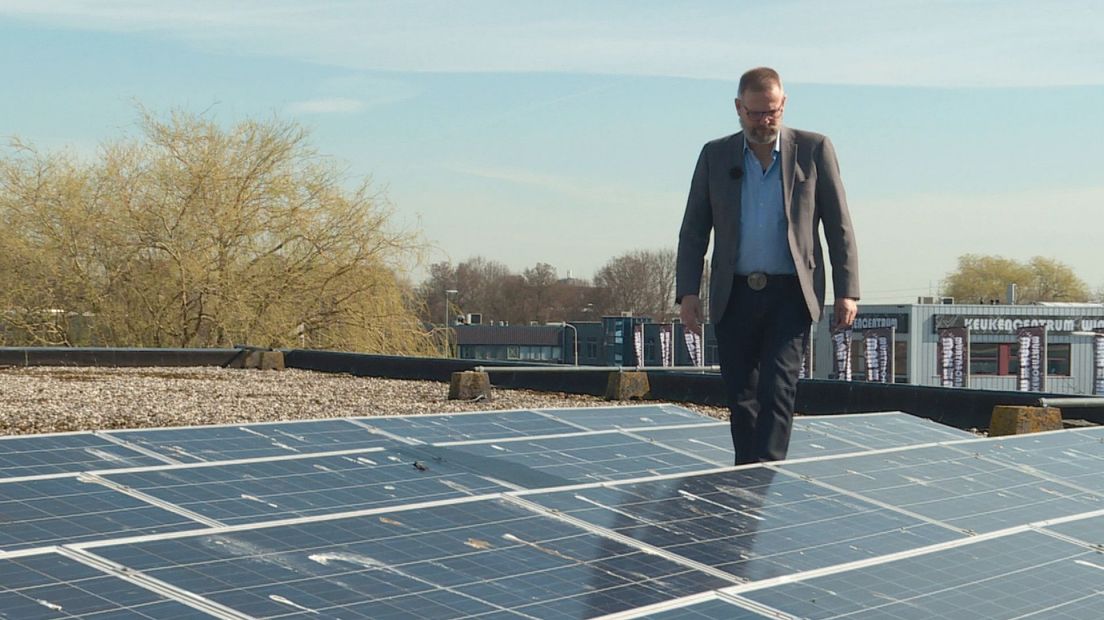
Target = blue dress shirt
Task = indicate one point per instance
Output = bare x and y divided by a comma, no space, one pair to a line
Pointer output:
764,245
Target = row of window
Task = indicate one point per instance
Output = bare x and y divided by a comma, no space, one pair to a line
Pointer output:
533,353
986,358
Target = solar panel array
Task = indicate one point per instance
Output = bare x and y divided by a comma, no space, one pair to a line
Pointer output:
619,512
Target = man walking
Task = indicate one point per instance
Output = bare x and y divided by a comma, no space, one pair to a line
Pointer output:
764,193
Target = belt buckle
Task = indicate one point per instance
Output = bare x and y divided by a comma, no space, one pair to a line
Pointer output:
757,281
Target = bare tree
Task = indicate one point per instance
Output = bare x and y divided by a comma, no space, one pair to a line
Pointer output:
641,282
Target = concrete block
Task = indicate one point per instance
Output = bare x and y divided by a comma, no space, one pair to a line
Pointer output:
470,385
1018,420
627,386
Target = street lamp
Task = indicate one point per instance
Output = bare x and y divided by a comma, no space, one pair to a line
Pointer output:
576,332
448,291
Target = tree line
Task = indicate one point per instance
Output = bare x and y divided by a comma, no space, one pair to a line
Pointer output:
640,282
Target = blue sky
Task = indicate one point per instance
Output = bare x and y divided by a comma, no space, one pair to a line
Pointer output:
566,132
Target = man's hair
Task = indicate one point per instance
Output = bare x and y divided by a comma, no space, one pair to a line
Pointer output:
759,79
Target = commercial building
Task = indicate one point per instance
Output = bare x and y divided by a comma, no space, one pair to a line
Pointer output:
609,342
992,358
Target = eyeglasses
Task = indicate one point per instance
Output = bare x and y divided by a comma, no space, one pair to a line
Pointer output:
758,115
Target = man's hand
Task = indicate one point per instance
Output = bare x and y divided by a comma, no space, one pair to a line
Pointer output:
846,309
690,313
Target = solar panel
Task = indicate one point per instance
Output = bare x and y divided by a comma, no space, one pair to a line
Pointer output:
469,426
951,486
457,560
573,458
751,523
221,443
708,608
1072,457
250,492
66,453
456,519
873,431
1023,575
711,442
1089,531
52,586
51,511
636,416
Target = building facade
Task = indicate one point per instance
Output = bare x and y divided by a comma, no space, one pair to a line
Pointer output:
609,342
993,354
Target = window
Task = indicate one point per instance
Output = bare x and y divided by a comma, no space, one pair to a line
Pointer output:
900,360
1002,358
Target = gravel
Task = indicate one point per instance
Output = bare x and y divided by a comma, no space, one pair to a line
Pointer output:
50,399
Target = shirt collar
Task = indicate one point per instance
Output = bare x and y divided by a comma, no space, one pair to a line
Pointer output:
777,143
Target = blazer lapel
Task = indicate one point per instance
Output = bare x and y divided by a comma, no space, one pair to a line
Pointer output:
735,173
789,167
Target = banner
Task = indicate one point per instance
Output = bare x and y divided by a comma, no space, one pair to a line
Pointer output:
841,343
638,343
666,344
806,371
1033,359
1098,364
694,347
986,325
954,357
878,350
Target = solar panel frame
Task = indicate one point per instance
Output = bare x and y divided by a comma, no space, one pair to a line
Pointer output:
881,430
1013,575
256,490
65,509
26,456
470,426
626,417
239,441
574,458
947,485
723,520
54,585
490,551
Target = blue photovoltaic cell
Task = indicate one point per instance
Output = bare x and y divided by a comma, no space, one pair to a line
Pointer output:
711,442
1026,575
1090,530
54,511
285,488
640,416
64,454
1075,457
714,441
808,443
51,586
587,457
951,486
712,609
452,561
464,427
752,523
222,443
881,430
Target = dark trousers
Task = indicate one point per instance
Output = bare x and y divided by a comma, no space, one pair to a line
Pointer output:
760,341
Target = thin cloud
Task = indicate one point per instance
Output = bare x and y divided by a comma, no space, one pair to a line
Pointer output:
943,43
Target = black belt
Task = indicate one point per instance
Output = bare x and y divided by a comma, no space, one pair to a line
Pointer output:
758,280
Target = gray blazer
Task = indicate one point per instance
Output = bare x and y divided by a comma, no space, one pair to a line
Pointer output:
813,195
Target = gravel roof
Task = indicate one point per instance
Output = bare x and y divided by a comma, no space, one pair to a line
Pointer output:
49,399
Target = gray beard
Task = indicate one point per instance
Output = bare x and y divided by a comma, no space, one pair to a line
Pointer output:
750,134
